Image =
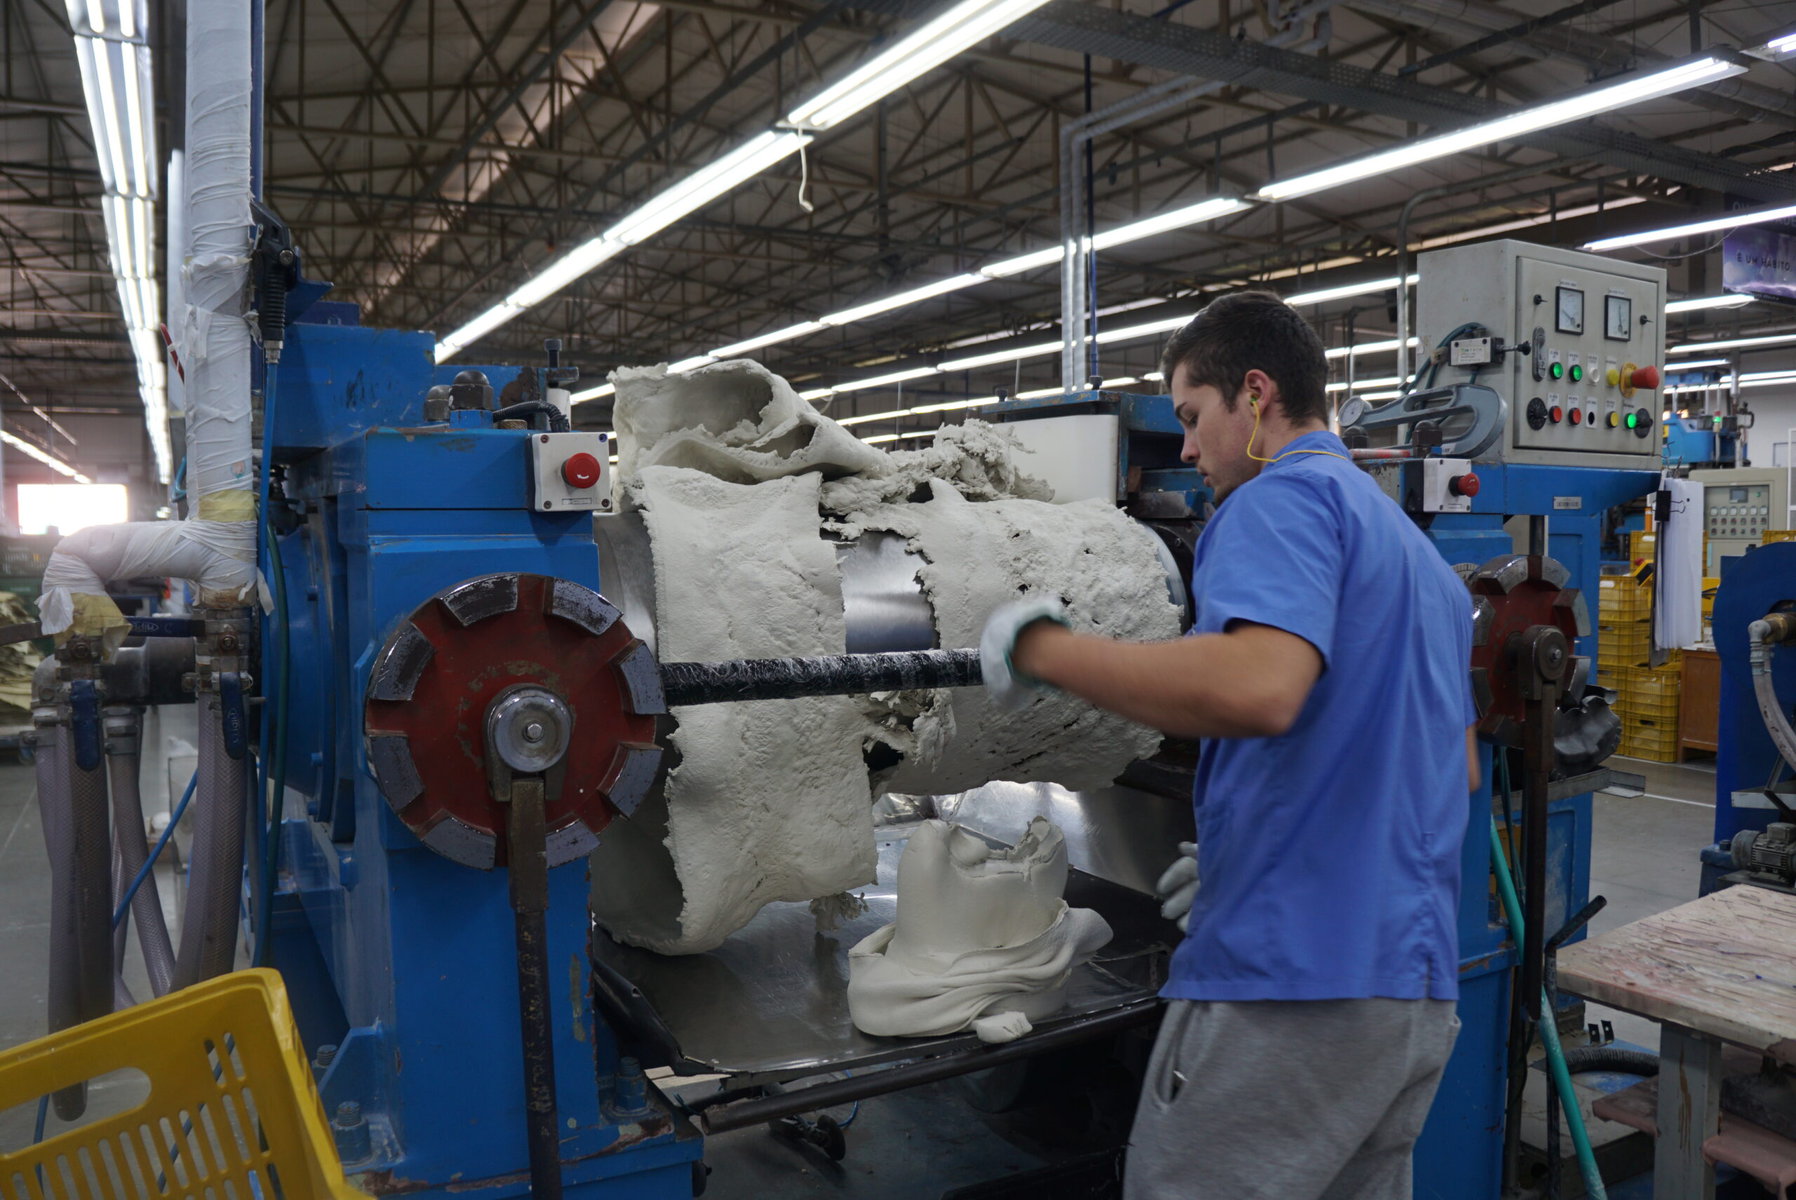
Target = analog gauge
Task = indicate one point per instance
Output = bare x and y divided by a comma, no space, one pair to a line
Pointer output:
1569,311
1618,318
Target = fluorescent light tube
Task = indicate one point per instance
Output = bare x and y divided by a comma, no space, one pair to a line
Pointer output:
1778,47
136,116
597,393
1147,329
863,418
1696,365
1739,343
1006,267
486,322
861,385
1389,347
564,271
96,16
703,186
690,364
1611,96
875,439
961,26
1345,291
1694,228
816,394
1178,218
940,287
1733,300
737,349
1040,393
49,460
1391,381
1001,356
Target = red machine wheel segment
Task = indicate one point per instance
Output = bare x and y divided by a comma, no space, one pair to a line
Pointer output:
1511,594
425,714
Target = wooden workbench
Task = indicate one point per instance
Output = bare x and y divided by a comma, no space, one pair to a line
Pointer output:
1719,969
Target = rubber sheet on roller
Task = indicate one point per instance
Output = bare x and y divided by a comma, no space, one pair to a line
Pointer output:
772,1001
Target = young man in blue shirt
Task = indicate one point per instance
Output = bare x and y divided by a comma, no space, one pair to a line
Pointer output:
1311,1003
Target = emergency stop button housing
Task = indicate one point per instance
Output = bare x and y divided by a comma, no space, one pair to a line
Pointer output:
570,471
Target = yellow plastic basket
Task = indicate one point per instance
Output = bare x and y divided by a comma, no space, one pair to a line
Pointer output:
232,1113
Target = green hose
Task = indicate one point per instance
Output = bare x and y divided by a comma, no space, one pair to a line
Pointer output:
1549,1031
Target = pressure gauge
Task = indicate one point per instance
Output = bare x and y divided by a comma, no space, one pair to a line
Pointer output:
1569,311
1618,318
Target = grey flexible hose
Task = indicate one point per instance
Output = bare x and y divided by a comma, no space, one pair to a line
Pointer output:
215,869
65,962
133,849
91,822
1764,688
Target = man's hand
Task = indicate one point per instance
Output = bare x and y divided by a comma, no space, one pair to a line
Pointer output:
1177,887
1004,683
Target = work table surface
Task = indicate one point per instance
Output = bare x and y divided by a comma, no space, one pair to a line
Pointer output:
1724,965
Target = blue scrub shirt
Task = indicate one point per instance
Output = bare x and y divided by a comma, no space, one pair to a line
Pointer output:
1329,857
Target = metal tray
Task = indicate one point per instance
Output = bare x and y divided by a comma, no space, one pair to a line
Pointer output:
771,1003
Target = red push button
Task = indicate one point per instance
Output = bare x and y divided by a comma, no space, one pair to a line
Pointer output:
1577,416
580,470
1463,485
1556,413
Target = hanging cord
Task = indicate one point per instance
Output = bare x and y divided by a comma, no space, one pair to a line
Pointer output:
804,178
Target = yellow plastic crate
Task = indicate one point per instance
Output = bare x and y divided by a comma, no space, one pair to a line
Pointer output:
231,1112
1777,535
1623,599
1650,751
1662,712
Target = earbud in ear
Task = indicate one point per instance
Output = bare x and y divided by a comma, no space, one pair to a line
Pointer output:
1253,398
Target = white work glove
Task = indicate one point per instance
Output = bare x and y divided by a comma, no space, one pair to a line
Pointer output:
1177,886
1008,687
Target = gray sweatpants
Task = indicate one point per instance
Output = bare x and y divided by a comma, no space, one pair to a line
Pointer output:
1298,1100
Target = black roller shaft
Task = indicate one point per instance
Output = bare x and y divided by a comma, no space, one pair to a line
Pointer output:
826,675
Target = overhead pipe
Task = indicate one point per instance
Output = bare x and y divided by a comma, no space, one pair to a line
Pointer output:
1077,281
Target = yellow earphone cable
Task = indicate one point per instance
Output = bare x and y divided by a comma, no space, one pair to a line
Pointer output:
1254,403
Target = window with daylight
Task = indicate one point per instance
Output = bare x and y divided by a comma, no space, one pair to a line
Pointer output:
66,507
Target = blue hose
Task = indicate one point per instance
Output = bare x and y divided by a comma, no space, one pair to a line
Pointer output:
149,863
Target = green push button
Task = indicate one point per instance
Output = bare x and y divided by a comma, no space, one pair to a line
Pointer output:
1577,373
1557,370
1633,420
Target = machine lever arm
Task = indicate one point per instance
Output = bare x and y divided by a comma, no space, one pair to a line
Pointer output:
825,675
529,869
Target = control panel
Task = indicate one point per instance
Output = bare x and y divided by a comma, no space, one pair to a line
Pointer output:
1572,341
570,471
1739,505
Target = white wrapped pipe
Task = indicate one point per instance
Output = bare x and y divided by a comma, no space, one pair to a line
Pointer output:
215,550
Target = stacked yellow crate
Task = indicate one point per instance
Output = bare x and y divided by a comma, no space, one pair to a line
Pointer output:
1777,535
1646,698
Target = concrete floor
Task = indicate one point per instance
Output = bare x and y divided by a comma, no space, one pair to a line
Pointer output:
919,1144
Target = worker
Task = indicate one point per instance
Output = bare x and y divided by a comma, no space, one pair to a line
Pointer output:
1310,1005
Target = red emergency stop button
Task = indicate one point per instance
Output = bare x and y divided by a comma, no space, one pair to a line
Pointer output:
1577,416
1646,377
580,470
1463,485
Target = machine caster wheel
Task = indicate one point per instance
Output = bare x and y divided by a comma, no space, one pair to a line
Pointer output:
701,1178
823,1133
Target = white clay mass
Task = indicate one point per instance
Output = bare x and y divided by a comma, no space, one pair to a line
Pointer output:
983,938
739,482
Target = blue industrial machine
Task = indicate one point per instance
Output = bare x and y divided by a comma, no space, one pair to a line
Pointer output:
398,952
1755,783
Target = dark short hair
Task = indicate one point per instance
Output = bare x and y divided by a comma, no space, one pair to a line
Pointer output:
1242,331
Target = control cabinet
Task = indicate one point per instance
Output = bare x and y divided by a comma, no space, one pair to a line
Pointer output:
1582,340
1738,505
